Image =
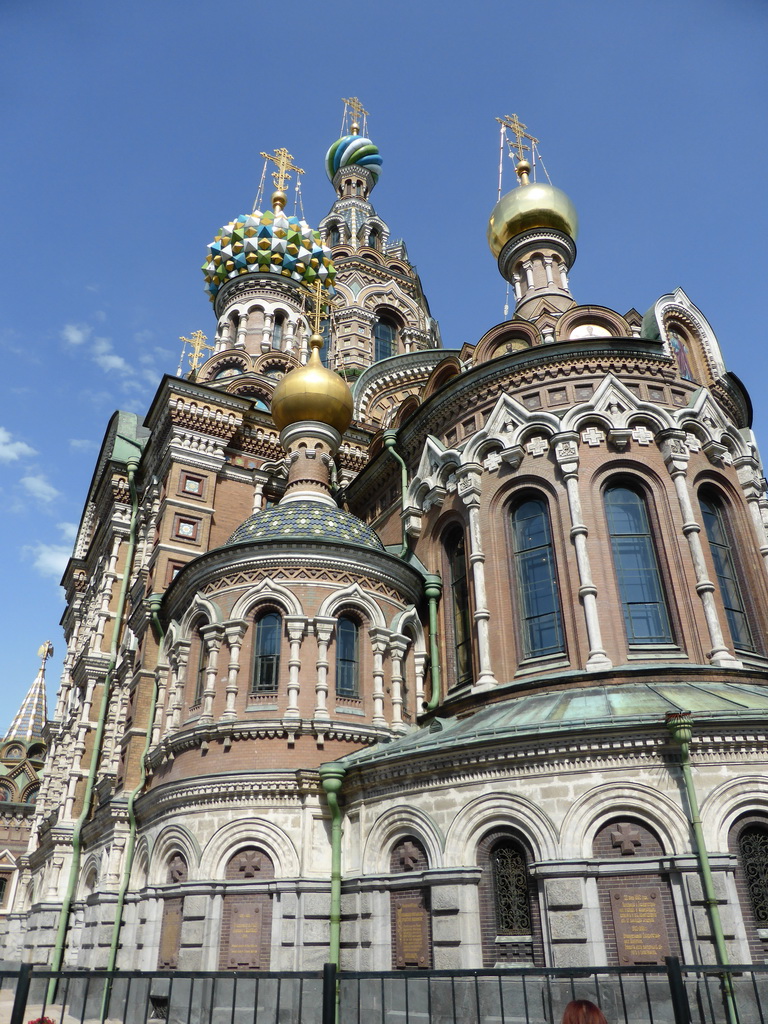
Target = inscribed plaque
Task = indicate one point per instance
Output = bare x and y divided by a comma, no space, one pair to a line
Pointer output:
638,920
412,933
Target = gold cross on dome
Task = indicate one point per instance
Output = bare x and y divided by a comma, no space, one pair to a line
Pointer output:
355,108
519,131
318,314
197,341
283,159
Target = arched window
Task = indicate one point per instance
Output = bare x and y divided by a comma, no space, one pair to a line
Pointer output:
534,566
347,655
334,235
200,663
748,840
374,238
462,629
277,330
646,618
511,930
384,339
266,659
720,545
325,351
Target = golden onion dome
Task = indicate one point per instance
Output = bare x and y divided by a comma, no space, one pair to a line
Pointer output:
530,205
312,393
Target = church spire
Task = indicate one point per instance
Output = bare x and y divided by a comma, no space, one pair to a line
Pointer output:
32,716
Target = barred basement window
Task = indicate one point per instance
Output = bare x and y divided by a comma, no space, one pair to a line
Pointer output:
753,846
510,885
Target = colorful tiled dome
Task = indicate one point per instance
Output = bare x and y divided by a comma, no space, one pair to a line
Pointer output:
306,520
350,150
270,243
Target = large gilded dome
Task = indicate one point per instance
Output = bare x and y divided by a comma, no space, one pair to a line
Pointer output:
312,392
531,205
270,243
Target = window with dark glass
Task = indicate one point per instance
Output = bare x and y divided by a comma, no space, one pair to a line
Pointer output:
721,547
347,684
373,239
510,888
534,567
646,618
462,630
201,664
384,335
334,235
277,331
266,661
325,351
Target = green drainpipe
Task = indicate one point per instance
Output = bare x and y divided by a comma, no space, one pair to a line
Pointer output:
154,602
74,871
681,729
433,588
390,440
331,779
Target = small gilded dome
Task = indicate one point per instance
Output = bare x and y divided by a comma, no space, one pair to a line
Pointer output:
352,150
312,392
306,520
270,243
530,205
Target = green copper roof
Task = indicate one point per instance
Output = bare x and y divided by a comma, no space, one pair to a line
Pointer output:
581,709
306,520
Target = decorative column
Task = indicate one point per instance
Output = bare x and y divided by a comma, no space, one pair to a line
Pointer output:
242,328
162,675
398,648
567,455
753,485
234,632
297,627
419,671
212,637
290,334
226,335
176,697
323,629
676,457
107,585
266,334
469,479
379,639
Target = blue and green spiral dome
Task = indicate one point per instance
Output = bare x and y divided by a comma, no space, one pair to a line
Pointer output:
351,150
269,243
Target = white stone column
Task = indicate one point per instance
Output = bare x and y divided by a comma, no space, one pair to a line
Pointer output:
162,675
242,330
323,629
234,631
289,334
548,270
379,638
419,671
266,333
107,586
297,627
676,457
398,648
176,699
212,637
567,455
753,485
469,489
226,335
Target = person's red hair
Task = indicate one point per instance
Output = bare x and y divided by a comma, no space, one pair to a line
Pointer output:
581,1011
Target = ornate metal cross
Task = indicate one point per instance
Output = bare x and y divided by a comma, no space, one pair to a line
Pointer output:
283,159
519,131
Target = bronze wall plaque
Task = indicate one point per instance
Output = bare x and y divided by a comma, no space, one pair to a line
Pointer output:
412,933
170,934
245,935
638,920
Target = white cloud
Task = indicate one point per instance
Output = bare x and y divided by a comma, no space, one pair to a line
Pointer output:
68,531
82,444
39,488
107,359
76,334
11,450
49,559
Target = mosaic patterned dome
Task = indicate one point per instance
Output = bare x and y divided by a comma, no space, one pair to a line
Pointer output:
350,150
306,520
270,243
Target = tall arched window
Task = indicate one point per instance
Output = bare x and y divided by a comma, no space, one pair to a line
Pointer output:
347,657
646,618
748,840
277,330
511,930
462,627
384,337
720,545
334,235
325,351
534,566
374,238
200,662
266,658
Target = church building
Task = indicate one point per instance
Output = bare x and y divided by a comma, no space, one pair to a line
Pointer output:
401,656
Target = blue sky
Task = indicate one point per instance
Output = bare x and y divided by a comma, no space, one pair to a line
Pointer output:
132,132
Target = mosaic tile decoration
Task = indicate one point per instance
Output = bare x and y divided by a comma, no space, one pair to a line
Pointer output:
303,520
270,243
350,150
32,715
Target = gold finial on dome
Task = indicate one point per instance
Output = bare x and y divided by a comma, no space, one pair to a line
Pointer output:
355,110
283,159
313,392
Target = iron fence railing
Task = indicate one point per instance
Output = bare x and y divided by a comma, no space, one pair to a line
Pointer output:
670,994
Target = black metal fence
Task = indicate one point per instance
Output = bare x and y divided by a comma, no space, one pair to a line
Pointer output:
674,994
